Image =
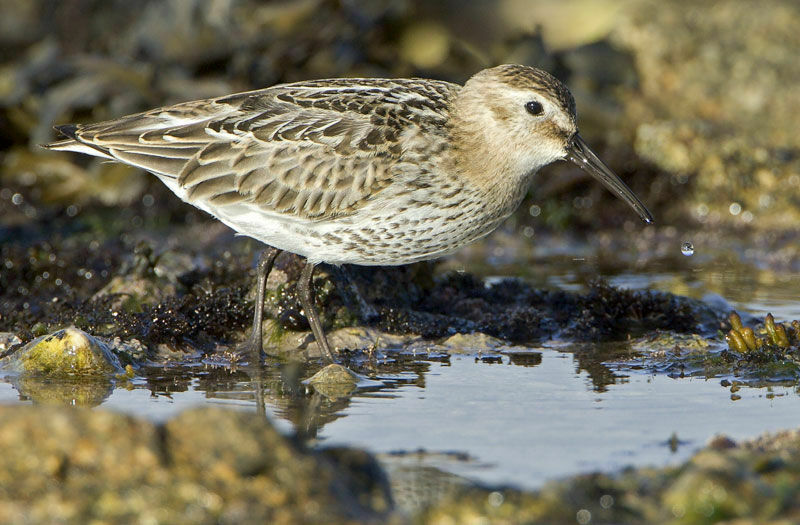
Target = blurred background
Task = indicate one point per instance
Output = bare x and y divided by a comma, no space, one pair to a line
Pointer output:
693,103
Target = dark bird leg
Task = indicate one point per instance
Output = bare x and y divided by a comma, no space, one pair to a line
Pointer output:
256,378
254,342
306,292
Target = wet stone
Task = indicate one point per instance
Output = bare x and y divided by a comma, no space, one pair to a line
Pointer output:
334,381
293,343
129,350
66,352
745,484
205,466
334,374
476,342
8,340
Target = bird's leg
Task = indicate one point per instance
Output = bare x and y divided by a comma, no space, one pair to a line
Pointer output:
265,262
256,378
306,292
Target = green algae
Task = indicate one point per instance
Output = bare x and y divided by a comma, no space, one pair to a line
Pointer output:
66,352
778,339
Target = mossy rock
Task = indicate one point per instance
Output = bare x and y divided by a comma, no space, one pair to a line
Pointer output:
205,466
64,353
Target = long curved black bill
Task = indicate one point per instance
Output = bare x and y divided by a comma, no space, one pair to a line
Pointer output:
580,153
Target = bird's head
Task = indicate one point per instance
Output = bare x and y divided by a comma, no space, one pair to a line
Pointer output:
517,119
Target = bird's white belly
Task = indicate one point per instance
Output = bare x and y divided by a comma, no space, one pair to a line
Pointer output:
278,232
382,233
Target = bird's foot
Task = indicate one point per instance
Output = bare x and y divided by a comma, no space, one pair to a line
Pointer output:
249,351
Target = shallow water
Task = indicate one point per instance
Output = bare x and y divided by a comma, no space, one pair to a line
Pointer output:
497,423
514,420
523,426
743,287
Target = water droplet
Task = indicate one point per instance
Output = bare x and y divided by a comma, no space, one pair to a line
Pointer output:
687,249
496,499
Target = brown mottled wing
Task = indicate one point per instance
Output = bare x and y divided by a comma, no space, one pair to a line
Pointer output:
312,150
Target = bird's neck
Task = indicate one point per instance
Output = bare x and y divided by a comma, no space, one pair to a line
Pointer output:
485,162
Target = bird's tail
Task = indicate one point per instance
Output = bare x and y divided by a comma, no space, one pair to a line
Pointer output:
73,143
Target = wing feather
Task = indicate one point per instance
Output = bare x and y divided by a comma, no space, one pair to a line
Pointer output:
313,150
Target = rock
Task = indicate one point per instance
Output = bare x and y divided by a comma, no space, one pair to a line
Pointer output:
286,343
205,466
67,367
7,340
131,350
713,104
136,284
745,484
68,352
132,292
334,374
721,442
665,344
564,25
716,484
336,381
473,343
370,339
425,44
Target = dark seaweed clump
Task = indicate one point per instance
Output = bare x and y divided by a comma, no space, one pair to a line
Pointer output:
199,318
39,283
51,284
513,310
206,305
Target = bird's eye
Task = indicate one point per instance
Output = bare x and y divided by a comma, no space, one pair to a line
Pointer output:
534,108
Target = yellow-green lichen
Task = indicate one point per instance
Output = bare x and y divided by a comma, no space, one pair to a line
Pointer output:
66,352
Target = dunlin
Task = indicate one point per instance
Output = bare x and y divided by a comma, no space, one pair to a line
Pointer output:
359,170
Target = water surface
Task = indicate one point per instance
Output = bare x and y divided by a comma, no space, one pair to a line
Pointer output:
510,420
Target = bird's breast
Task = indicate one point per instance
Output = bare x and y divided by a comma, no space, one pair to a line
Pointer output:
422,219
